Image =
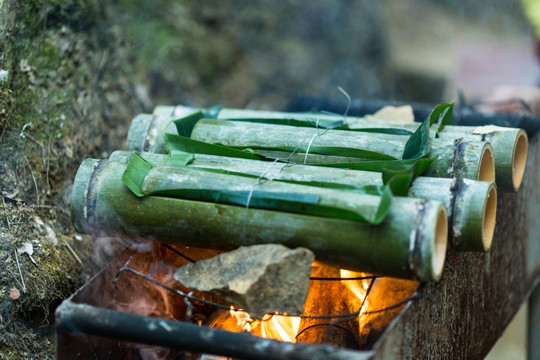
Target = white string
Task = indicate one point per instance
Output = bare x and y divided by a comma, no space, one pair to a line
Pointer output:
313,138
288,160
252,190
349,102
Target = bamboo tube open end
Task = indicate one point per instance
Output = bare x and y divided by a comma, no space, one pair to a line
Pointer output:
138,131
490,215
519,159
440,243
486,170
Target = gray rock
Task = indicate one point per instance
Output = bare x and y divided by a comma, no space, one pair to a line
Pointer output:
259,279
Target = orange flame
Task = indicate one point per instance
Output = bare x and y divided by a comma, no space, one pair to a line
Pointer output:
281,327
277,327
358,287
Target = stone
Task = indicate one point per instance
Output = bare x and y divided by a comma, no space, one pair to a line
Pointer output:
260,279
14,293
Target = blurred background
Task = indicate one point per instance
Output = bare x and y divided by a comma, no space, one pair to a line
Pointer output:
73,73
255,53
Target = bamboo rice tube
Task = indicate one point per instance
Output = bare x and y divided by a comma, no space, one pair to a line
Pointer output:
470,205
146,131
455,158
410,243
510,145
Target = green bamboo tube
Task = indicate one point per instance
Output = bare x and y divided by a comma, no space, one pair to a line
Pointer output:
470,205
455,158
146,134
410,243
510,145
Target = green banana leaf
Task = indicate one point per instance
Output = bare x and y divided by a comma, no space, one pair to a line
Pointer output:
419,143
138,168
323,150
178,143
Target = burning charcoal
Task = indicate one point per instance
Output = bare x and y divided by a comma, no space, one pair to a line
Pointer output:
260,279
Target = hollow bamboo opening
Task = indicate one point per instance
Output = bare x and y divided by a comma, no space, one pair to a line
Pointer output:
490,215
486,169
519,159
439,247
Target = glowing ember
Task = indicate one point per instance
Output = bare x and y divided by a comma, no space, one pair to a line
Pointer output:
243,319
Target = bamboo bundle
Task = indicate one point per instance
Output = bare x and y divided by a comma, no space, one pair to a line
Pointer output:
509,144
410,243
470,160
470,205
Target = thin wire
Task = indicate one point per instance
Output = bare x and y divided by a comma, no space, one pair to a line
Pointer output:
137,246
250,195
321,324
401,303
224,307
313,138
344,279
313,278
357,313
177,252
349,102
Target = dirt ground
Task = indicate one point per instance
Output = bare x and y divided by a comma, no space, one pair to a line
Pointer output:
73,73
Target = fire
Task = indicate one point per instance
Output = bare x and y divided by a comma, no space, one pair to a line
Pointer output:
281,327
285,328
278,327
243,319
358,287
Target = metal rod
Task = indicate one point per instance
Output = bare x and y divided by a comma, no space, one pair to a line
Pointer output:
463,115
90,320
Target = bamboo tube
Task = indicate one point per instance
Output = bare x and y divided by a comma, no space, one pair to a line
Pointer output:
146,130
470,205
509,147
509,144
410,243
327,330
455,158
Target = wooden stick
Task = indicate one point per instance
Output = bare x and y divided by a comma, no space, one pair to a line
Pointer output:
470,205
410,243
